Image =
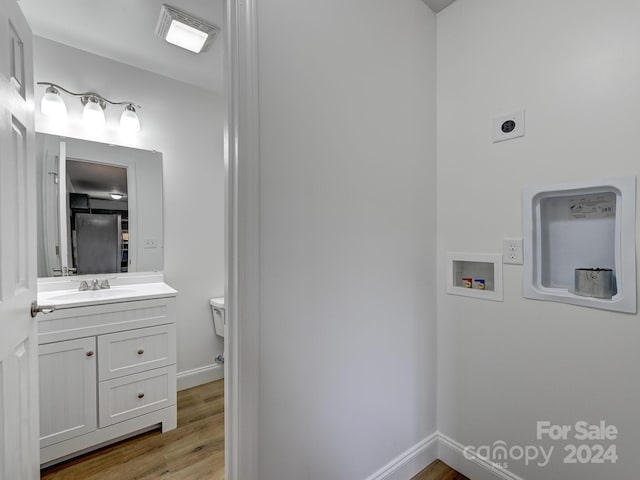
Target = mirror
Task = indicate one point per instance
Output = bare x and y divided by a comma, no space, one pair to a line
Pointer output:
99,207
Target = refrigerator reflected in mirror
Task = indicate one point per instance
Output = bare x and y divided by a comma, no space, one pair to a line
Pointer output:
97,243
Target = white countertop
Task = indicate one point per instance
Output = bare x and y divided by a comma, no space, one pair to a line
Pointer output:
62,292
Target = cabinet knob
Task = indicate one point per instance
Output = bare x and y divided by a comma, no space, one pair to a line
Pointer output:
89,353
140,352
141,395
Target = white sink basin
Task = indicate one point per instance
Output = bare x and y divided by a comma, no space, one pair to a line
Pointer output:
62,292
93,294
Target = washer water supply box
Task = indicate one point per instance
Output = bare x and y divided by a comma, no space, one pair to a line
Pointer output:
477,275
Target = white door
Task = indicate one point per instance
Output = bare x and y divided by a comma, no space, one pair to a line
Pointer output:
19,454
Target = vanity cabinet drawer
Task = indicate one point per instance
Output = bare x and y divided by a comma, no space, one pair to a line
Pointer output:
134,351
127,397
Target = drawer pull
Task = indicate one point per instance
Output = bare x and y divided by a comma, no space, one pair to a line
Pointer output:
89,353
141,395
140,352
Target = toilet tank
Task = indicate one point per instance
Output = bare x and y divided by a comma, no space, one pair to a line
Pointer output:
217,310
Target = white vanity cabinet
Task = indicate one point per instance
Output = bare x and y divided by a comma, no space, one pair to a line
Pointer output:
106,372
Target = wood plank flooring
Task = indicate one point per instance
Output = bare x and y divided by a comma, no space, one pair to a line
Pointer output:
193,451
439,470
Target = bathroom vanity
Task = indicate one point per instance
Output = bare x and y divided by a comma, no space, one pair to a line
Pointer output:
107,362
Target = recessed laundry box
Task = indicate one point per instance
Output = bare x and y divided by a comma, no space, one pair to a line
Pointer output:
579,243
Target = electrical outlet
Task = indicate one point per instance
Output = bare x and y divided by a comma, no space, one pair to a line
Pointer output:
508,127
512,251
150,243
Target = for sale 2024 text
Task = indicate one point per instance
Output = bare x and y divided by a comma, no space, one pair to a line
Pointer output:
582,432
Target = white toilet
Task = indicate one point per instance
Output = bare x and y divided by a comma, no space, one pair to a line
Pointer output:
217,310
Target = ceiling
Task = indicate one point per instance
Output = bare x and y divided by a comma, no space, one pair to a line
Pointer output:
124,30
437,5
97,180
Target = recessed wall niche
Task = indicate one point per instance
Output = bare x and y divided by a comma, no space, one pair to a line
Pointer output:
588,225
477,275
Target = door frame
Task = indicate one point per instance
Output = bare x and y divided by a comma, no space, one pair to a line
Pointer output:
242,217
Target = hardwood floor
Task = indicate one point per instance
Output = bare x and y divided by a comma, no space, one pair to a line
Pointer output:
193,451
439,470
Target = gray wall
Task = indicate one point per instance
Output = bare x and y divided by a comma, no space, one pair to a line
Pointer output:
575,67
347,219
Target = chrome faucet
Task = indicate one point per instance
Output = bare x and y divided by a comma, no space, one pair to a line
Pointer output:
95,284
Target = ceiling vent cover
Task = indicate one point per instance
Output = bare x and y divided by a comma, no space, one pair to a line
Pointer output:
185,30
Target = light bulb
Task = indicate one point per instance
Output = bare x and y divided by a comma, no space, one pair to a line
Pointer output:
52,104
129,120
93,114
116,196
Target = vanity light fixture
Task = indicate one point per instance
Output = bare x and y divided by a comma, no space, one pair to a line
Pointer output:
93,112
129,120
94,106
185,30
116,196
52,104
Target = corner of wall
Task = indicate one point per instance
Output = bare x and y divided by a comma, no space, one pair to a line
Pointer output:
409,462
453,454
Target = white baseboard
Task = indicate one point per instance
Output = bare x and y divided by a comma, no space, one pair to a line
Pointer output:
199,376
452,453
439,446
409,462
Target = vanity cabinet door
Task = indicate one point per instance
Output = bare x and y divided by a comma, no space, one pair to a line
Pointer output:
67,389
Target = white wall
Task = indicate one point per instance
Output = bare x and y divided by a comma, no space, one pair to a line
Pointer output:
185,124
575,67
347,219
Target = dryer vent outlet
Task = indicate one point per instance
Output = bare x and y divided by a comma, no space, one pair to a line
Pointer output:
508,127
